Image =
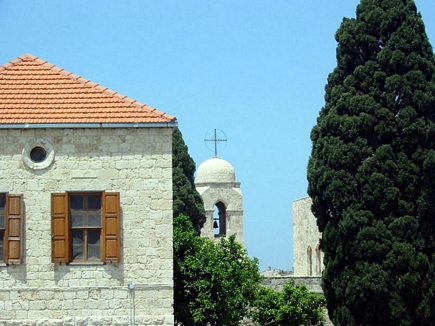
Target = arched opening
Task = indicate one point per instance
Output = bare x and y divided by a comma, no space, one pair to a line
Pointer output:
310,261
319,260
219,220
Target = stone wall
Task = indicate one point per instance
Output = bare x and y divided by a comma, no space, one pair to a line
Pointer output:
308,259
135,162
313,284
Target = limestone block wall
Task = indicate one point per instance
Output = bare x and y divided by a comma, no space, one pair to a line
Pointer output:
137,163
231,196
313,284
308,259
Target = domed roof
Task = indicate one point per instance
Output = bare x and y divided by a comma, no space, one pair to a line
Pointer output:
215,170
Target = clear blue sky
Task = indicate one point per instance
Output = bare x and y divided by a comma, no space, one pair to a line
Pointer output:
255,69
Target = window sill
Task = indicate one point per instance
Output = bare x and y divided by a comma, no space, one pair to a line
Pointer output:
86,263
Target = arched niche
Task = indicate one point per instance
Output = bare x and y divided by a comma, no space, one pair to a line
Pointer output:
318,260
310,260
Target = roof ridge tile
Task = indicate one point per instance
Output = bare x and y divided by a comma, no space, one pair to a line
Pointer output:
28,57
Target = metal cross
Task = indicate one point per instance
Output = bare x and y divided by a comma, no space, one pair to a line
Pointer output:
216,140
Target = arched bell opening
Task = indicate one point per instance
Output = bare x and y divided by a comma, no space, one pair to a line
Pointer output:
219,219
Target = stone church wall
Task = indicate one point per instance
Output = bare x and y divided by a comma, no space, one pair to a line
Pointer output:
308,258
135,162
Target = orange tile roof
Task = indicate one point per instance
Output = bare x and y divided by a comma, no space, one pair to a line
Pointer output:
33,91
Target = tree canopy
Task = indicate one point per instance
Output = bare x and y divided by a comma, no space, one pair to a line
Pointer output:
294,306
372,167
215,283
186,200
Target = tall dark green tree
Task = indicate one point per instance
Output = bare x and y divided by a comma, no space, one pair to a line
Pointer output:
372,170
186,199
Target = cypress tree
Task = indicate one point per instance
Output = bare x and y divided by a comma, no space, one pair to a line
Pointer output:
186,199
371,173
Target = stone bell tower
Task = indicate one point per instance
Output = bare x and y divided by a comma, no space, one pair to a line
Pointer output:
223,199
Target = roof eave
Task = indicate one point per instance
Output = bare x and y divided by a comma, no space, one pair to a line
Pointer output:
170,124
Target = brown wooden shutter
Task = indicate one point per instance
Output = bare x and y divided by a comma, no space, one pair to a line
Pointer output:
14,229
60,245
111,246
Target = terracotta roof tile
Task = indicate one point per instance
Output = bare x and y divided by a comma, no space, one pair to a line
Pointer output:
35,91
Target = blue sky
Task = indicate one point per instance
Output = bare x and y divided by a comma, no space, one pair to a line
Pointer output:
254,69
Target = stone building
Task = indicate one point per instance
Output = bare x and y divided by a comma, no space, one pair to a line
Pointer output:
223,199
85,202
307,254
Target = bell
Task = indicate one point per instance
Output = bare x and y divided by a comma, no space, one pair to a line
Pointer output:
215,225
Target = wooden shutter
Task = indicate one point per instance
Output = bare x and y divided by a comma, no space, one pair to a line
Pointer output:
14,229
111,246
60,245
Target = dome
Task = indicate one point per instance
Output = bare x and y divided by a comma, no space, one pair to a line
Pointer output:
215,170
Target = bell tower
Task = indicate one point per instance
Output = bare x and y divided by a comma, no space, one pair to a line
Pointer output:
223,199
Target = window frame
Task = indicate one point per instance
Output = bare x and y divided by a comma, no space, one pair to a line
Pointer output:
86,229
62,230
13,229
3,229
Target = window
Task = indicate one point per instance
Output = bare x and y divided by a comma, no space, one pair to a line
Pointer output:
85,224
85,227
11,224
38,154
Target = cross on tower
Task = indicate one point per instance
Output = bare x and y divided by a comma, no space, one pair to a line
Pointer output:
216,140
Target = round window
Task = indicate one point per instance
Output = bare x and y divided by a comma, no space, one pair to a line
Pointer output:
38,154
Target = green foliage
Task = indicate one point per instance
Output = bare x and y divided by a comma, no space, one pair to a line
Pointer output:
266,308
214,283
217,283
294,306
186,200
371,170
